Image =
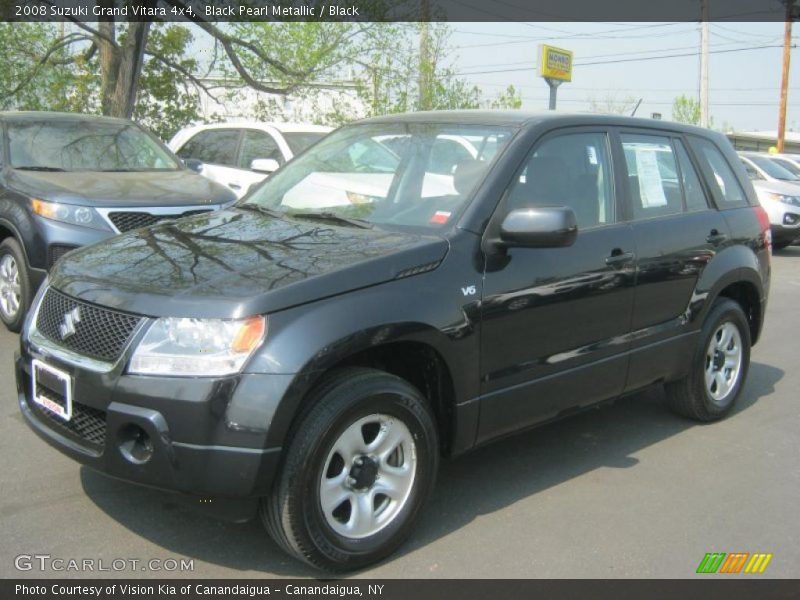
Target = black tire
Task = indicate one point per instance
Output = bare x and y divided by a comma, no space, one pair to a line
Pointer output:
11,248
293,514
690,396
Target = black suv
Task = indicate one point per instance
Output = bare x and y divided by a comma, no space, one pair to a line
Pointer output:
319,346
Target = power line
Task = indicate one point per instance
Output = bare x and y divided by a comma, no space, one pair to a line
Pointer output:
622,60
532,65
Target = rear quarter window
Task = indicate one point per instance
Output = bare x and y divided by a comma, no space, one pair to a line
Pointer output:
721,177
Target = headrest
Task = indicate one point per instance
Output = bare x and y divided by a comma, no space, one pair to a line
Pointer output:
466,174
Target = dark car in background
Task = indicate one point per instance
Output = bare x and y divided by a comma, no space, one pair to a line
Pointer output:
317,362
68,180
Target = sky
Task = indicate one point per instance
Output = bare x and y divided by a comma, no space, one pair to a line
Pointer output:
744,84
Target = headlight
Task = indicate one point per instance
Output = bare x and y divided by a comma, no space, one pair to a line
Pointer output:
84,216
793,200
197,347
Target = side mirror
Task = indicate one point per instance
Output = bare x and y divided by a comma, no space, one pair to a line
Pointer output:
264,165
542,227
194,164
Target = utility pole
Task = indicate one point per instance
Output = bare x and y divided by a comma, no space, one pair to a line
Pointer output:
704,33
425,66
787,53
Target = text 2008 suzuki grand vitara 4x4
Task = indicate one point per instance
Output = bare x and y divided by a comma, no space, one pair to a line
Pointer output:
410,287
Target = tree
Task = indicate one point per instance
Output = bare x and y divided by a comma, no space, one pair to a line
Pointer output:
509,99
686,110
612,105
123,50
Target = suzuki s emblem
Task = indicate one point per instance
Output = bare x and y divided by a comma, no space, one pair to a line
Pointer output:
71,319
469,290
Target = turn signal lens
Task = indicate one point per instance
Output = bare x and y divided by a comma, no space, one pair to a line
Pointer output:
249,336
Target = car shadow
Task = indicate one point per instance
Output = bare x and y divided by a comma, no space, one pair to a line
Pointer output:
517,467
787,251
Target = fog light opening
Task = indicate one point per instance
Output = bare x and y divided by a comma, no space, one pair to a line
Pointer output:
134,444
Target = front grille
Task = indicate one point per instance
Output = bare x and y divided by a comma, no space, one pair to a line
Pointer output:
55,252
129,220
87,425
99,333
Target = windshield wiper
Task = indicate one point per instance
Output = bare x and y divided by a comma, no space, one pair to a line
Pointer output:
261,209
38,168
333,218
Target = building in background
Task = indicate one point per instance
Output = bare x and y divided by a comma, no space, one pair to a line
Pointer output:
762,141
324,103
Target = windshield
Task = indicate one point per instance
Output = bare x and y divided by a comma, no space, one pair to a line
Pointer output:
771,168
85,145
392,174
300,140
788,165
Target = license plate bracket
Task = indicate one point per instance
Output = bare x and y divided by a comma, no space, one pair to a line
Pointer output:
52,389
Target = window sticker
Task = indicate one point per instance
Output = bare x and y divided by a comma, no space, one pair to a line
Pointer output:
440,217
591,153
651,186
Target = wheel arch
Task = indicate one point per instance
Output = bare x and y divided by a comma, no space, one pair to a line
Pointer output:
414,358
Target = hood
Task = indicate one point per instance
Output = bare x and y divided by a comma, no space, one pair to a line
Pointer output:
117,189
785,188
236,263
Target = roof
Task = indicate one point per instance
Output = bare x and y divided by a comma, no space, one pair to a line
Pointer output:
36,115
282,127
518,118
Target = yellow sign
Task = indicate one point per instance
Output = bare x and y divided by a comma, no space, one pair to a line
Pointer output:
555,63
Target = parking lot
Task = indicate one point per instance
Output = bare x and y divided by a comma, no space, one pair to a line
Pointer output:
628,490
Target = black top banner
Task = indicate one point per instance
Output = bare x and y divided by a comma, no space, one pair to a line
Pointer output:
397,10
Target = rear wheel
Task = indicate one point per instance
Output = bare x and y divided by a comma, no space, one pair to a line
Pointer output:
719,366
15,288
358,470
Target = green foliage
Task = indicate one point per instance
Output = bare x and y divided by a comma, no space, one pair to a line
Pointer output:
507,100
686,110
27,82
167,100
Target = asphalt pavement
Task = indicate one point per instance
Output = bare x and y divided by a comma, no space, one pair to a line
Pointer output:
627,490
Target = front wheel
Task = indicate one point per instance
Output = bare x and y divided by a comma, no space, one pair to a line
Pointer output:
719,366
15,286
359,468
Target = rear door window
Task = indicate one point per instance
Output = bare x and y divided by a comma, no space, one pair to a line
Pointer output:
653,185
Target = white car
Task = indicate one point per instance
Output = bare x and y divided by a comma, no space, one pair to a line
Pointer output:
790,162
762,167
779,197
238,155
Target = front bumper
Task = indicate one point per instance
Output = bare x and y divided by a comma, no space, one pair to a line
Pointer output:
782,234
206,436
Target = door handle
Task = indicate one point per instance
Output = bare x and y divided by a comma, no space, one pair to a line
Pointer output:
618,257
715,237
234,186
